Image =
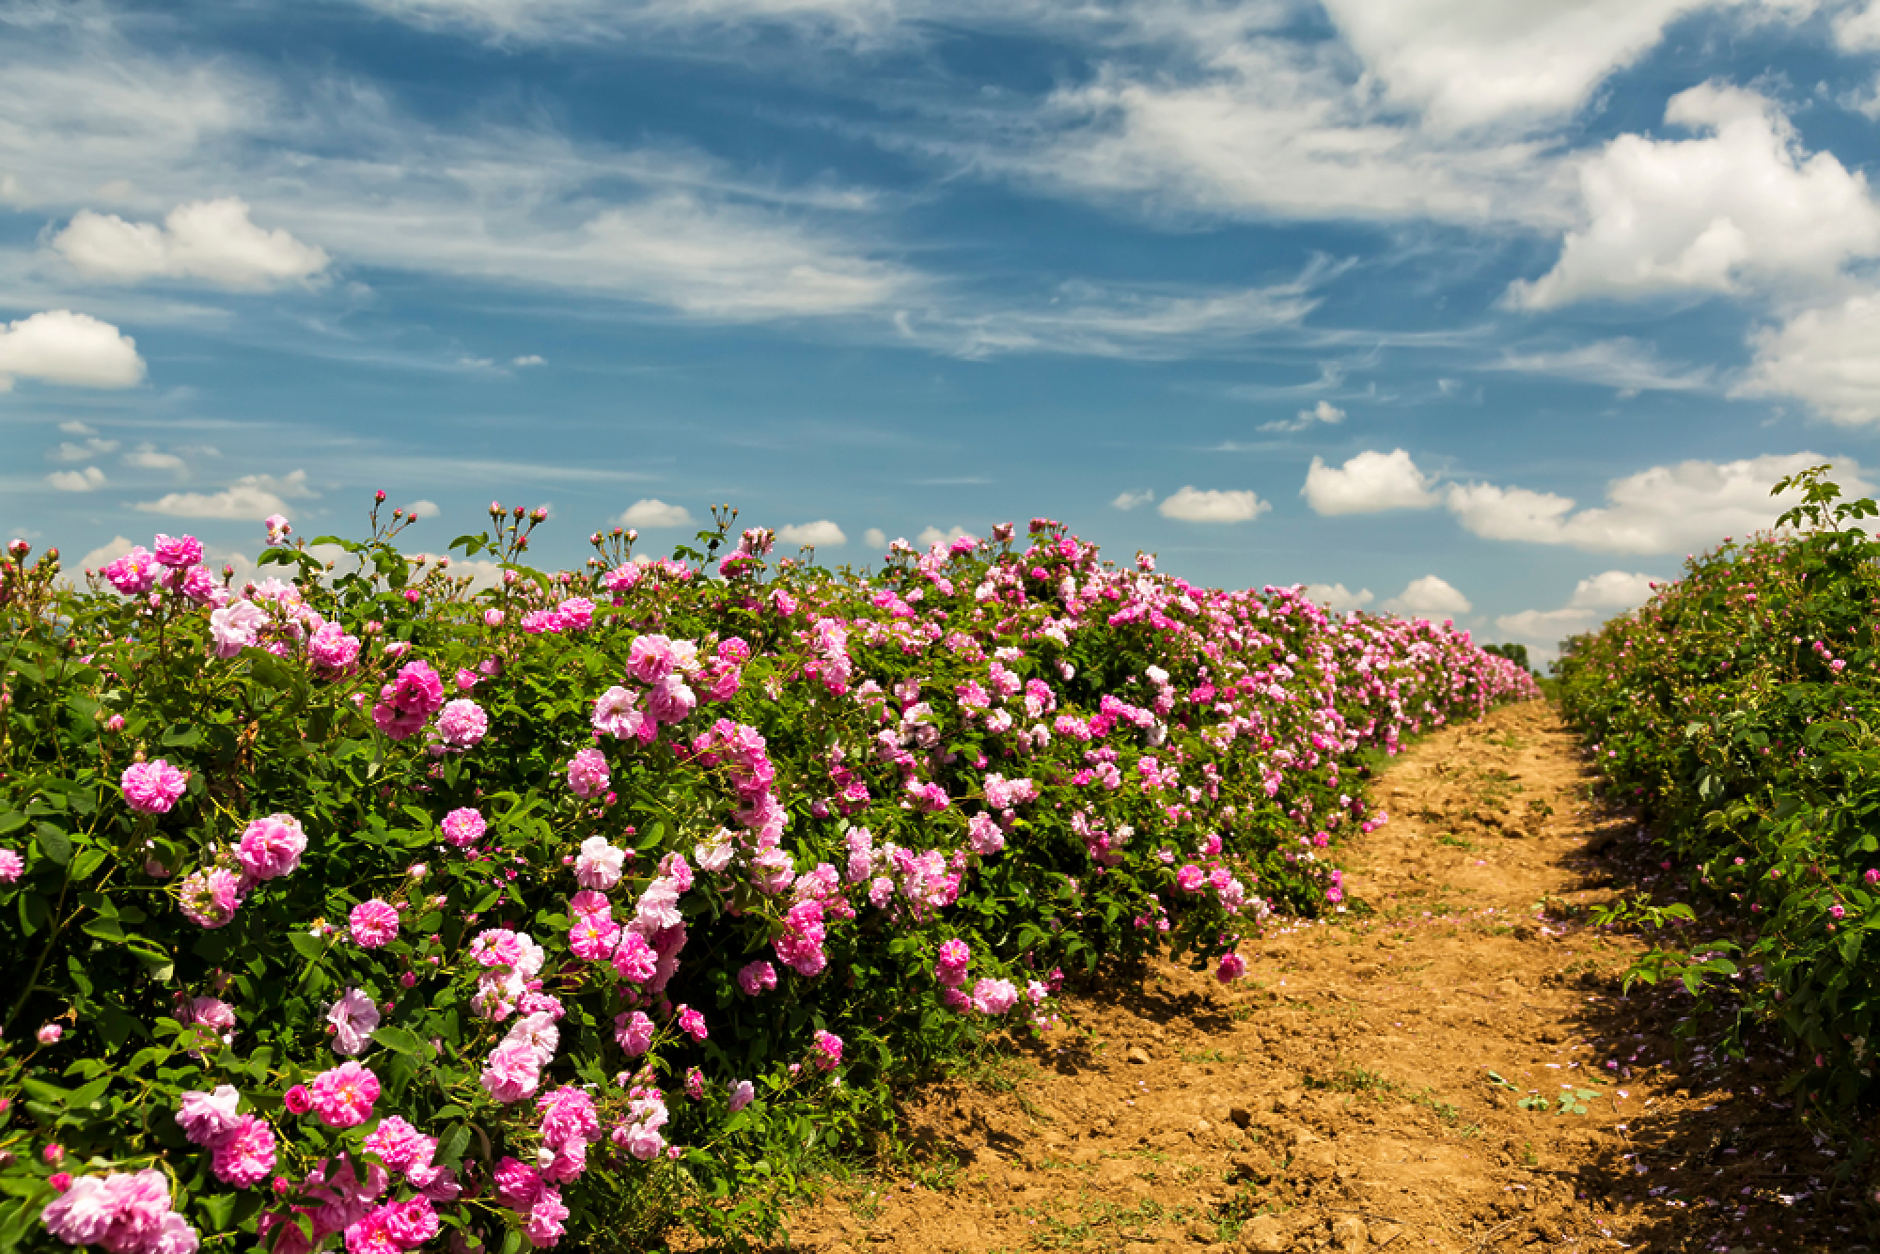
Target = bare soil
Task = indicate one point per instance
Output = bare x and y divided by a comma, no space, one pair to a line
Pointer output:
1449,1066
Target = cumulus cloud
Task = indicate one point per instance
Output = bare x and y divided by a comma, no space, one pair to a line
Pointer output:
1338,598
1323,412
423,509
1594,600
249,499
1131,499
1857,28
1612,590
1368,483
531,359
1740,203
90,479
821,534
1665,509
1427,597
931,536
106,553
875,538
1824,357
1466,63
653,512
1213,506
149,457
70,452
74,349
211,240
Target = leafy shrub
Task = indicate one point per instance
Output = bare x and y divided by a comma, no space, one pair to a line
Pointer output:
360,904
1741,709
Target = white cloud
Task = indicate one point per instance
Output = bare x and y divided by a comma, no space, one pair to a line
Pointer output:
1625,364
1213,506
70,452
1323,412
74,349
563,20
1367,484
822,534
1427,597
1857,28
1131,499
1338,598
1612,590
653,512
149,457
423,509
249,499
211,240
105,554
1466,63
1665,509
75,427
931,536
531,359
1548,627
1824,356
1741,203
89,479
875,538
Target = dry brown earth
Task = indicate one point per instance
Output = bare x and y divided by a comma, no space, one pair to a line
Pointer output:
1364,1087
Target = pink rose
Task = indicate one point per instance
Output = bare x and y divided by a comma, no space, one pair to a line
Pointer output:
152,787
588,775
11,866
374,923
462,724
246,1155
343,1096
464,827
270,848
178,551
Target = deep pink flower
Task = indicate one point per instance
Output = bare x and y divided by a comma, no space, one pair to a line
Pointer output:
828,1050
408,701
373,923
134,573
246,1155
692,1023
544,1226
757,977
153,787
178,551
332,650
516,1184
1232,967
270,848
297,1100
635,959
210,898
343,1096
464,827
634,1032
11,866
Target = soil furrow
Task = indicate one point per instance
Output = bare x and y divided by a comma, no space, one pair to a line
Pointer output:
1449,1066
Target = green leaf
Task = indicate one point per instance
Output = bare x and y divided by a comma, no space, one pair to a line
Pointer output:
403,1041
53,843
306,945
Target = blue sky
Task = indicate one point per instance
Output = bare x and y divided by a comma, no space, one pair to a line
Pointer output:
1483,308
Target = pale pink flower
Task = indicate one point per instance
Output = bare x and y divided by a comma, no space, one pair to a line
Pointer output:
650,658
599,864
577,613
152,787
373,923
271,847
994,997
332,650
462,724
353,1017
670,700
511,1073
617,714
49,1034
588,774
634,1032
278,528
210,898
234,626
11,866
544,1226
742,1094
984,835
208,1118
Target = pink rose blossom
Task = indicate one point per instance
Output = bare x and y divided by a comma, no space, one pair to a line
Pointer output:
333,651
407,702
210,898
599,864
246,1155
994,997
1232,967
297,1100
11,866
134,573
235,626
588,775
463,827
742,1094
462,724
692,1023
411,1223
177,552
153,787
635,959
343,1096
617,714
49,1034
511,1073
634,1032
757,978
278,528
373,923
516,1184
577,613
270,848
828,1050
207,1119
544,1226
353,1018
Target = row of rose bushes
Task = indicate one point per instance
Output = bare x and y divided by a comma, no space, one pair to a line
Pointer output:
360,905
1740,709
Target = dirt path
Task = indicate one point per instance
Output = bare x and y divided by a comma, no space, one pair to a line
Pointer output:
1455,1070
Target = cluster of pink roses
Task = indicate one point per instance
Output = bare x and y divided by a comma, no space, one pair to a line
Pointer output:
125,1212
242,1145
408,702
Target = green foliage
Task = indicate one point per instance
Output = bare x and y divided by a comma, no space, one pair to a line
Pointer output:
1740,709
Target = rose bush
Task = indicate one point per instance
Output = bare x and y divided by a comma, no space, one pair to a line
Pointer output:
356,906
1739,709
